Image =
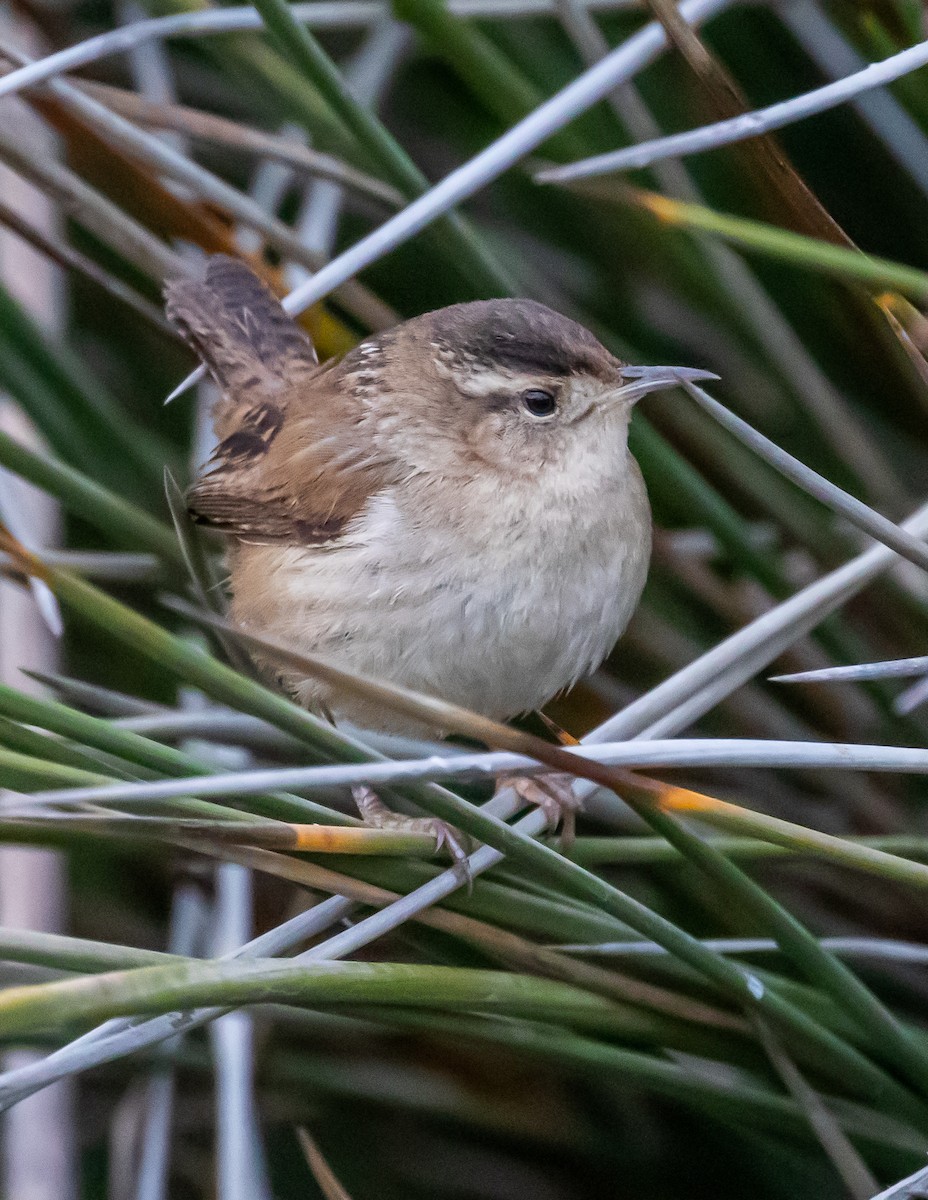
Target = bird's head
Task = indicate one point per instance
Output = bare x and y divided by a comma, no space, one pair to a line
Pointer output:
510,384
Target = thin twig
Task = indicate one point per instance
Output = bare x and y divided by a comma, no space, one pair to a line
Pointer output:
154,153
836,498
368,76
896,668
883,949
218,724
834,1141
621,65
813,389
325,1177
223,132
188,911
913,1187
912,698
321,15
100,564
765,158
748,125
119,1037
678,701
239,1159
66,256
822,40
94,211
675,753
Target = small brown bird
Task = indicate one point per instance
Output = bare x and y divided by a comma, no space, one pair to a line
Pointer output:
452,506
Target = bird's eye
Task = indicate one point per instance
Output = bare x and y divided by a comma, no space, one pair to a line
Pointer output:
539,403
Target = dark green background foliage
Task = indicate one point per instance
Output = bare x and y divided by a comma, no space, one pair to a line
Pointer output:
563,1078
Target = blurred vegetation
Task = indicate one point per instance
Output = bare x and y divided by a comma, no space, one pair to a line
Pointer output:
564,1080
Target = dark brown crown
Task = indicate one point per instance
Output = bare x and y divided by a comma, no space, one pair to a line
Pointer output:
519,335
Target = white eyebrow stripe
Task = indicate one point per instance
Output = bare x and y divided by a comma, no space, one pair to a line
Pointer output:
474,380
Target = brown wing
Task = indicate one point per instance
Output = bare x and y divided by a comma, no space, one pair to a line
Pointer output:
295,462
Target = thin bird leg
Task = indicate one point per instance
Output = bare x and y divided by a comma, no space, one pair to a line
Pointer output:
554,794
376,814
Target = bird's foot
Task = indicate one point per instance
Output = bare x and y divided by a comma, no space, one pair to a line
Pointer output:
376,814
554,794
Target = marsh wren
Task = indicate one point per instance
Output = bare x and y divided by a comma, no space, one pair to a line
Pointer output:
451,506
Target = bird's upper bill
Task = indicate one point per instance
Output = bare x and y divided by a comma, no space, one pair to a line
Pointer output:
639,381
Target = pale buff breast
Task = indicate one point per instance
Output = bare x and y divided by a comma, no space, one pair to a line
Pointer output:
498,620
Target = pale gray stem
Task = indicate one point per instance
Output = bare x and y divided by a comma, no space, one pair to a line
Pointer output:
747,125
824,43
621,65
39,1156
188,912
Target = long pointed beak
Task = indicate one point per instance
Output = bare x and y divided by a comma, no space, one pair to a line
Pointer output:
656,379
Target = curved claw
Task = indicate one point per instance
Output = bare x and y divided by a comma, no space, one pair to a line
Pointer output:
375,813
446,835
554,794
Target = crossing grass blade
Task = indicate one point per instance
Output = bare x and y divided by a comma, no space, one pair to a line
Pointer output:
763,1023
